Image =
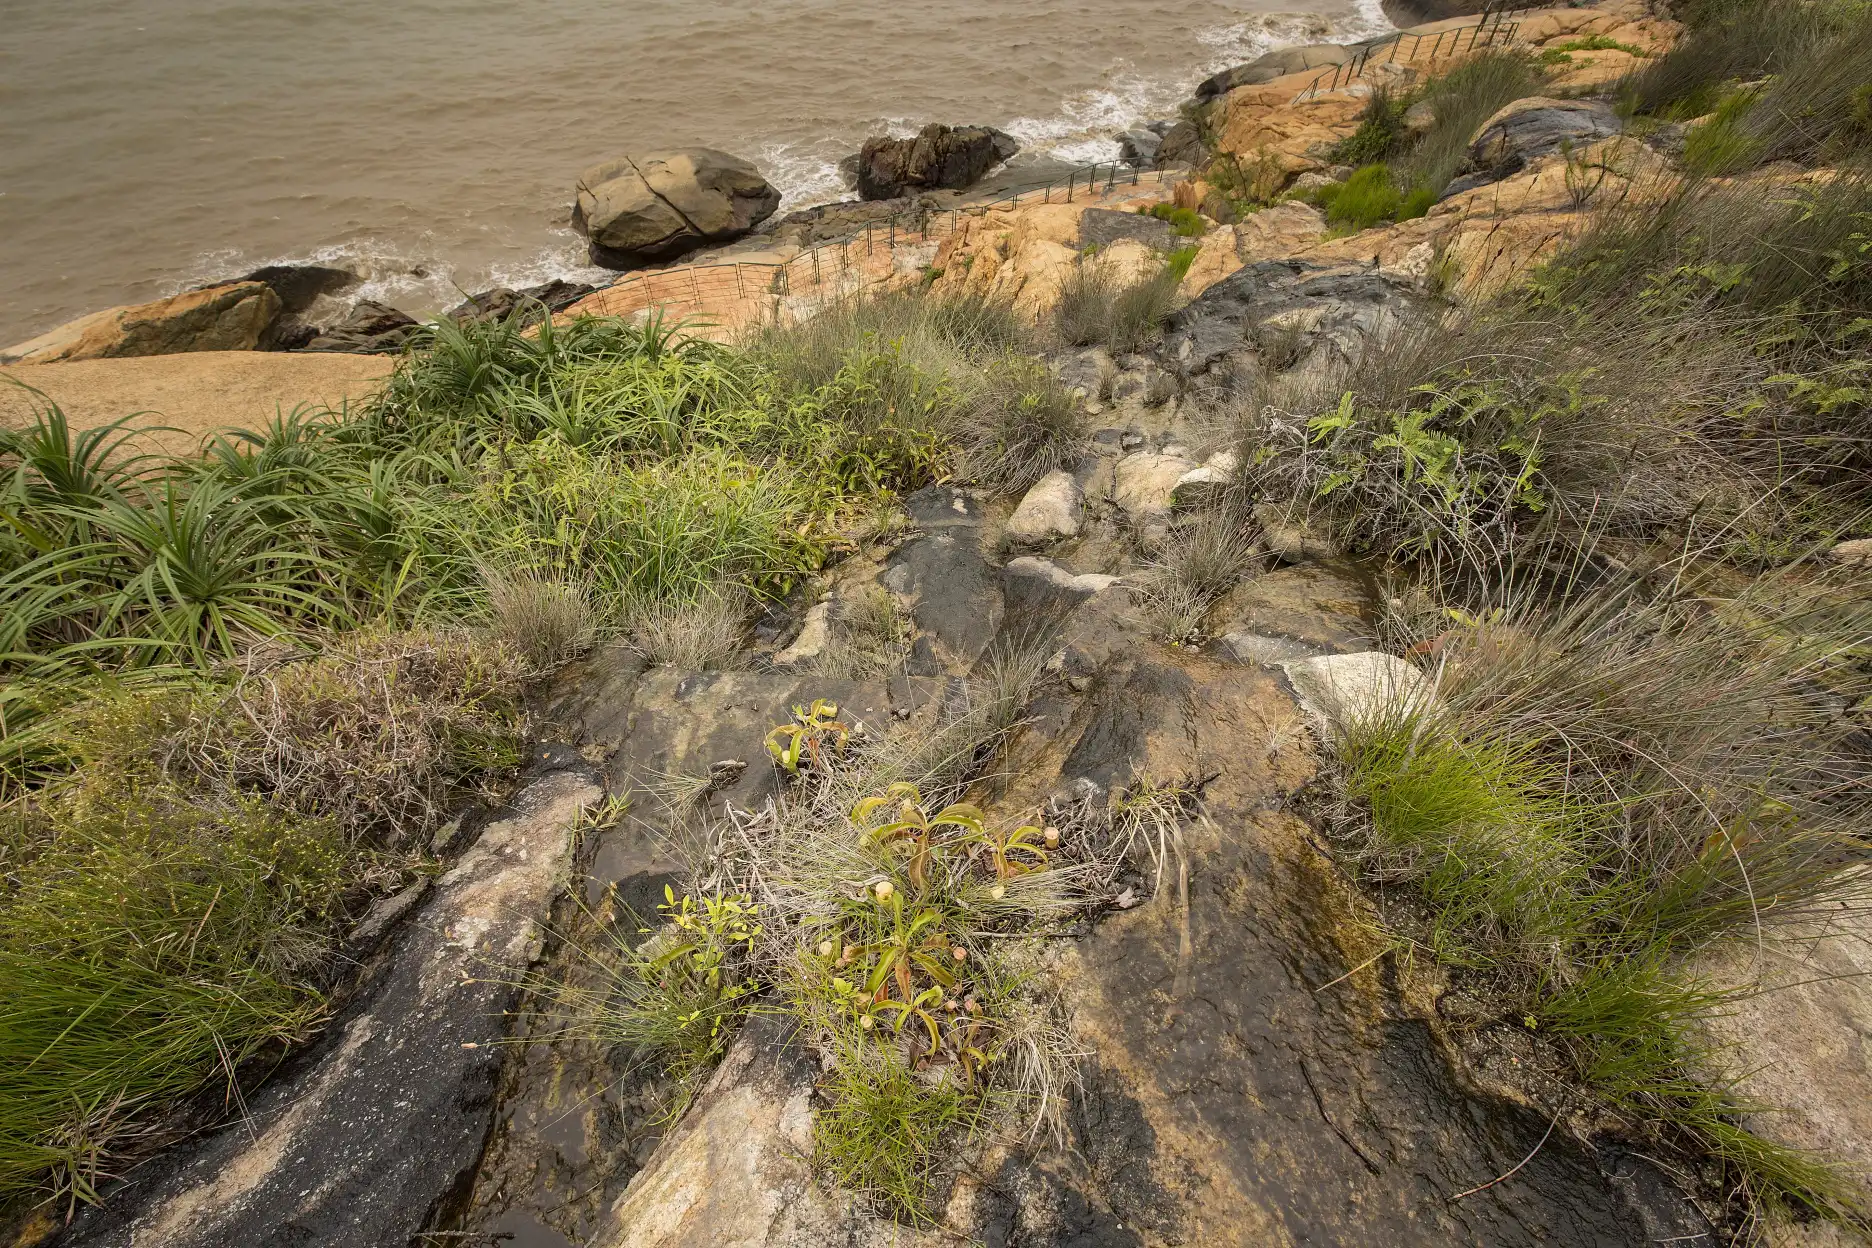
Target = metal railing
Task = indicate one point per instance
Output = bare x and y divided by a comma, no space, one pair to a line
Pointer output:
1494,30
851,260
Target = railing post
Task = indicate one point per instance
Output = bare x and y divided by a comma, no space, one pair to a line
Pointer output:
1069,184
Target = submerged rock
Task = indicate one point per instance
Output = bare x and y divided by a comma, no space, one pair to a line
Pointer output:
639,210
939,158
1182,145
1269,66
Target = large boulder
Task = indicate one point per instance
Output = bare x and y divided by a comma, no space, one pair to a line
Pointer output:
1528,129
1182,145
1289,314
939,158
1276,64
639,210
230,317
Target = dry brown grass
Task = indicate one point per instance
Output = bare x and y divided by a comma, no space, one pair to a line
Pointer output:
376,733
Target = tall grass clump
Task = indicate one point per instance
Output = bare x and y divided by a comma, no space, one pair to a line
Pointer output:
1605,783
1460,101
1097,308
148,944
1019,424
1728,43
1693,365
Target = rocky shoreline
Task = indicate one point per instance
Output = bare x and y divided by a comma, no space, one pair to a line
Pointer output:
638,212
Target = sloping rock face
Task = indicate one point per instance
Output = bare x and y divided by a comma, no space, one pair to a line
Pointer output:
193,394
232,317
639,210
1276,64
1314,317
360,1144
1254,1074
1528,129
939,158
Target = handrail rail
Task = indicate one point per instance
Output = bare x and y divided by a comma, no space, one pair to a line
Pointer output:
1493,29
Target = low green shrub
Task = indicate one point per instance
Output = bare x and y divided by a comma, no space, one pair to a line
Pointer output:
1187,222
1372,197
1381,131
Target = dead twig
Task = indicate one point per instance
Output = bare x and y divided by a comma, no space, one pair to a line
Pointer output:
1500,1178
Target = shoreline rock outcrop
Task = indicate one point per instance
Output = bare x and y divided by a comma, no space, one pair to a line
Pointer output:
228,317
939,158
639,210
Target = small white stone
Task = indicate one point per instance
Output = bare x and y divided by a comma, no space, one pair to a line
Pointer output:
1052,573
1341,690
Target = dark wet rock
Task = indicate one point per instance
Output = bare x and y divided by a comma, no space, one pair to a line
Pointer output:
385,913
678,726
1313,317
642,209
1266,68
1137,147
371,328
1100,227
1253,1104
1528,129
1040,587
533,302
953,595
367,1136
1182,145
840,220
557,294
299,286
939,158
304,291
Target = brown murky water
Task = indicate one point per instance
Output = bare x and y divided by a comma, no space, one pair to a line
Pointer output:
146,145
